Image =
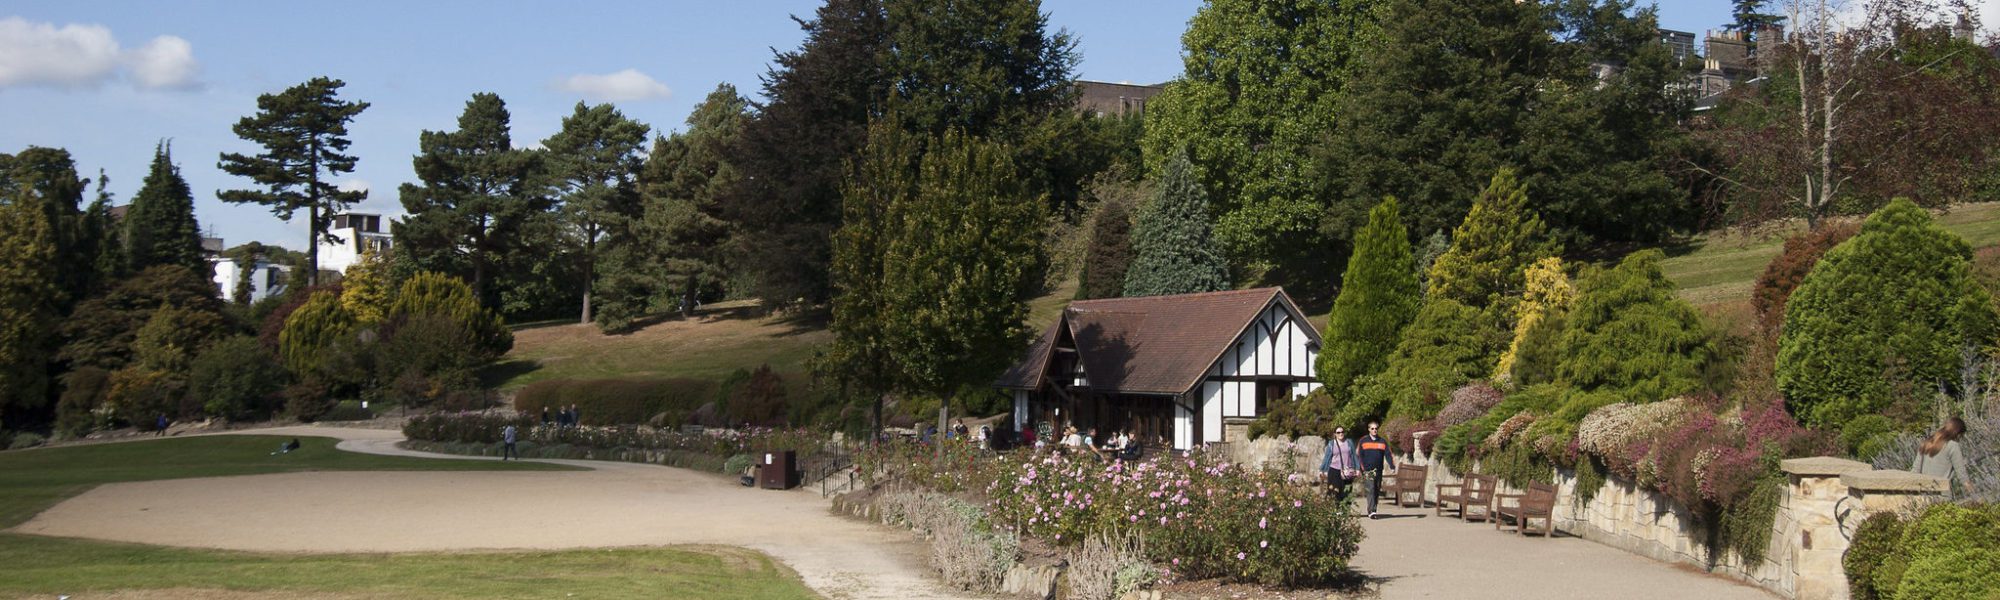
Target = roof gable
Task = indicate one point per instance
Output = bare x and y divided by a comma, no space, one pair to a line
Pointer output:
1153,344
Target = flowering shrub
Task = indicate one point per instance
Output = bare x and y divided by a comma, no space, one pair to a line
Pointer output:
951,466
1468,403
1200,518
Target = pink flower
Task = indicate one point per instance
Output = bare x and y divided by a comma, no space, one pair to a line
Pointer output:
1241,556
1260,543
1262,524
1298,503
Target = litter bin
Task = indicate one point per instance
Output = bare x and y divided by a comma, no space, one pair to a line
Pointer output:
778,470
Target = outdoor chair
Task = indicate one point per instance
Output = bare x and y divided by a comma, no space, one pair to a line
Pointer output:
1476,492
1538,503
1409,480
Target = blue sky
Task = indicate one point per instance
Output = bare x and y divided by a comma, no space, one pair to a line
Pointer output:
108,79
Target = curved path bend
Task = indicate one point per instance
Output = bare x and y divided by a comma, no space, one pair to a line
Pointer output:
612,504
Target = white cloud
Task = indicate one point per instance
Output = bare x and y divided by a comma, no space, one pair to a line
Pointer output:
353,185
626,85
83,56
167,62
41,53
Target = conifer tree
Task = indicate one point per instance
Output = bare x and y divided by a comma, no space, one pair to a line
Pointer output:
1109,254
304,134
1631,334
1893,307
1377,300
28,309
365,289
317,325
46,178
476,194
160,227
439,295
595,160
111,263
1173,242
1549,296
1491,249
676,250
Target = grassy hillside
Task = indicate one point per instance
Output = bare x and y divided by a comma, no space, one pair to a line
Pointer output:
1720,267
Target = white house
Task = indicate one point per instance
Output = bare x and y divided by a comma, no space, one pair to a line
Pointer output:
1177,371
358,233
266,279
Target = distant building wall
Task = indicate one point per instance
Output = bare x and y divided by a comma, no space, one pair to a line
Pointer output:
1106,99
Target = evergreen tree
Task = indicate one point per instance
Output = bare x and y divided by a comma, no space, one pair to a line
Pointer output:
595,160
444,296
364,290
1173,245
1894,307
933,266
1456,89
46,178
1255,96
476,195
1548,297
173,336
793,154
111,264
320,324
1500,237
28,308
160,228
1446,345
1630,333
304,134
1109,254
1377,300
676,252
101,331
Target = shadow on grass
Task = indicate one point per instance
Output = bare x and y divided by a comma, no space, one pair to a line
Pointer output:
507,370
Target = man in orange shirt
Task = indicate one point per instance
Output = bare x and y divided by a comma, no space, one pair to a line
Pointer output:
1374,456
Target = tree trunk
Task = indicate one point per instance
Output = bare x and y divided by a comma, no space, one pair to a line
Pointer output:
589,277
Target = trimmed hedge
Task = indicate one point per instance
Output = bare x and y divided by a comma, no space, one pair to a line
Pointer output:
618,401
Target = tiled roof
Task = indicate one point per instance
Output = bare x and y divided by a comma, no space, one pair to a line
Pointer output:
1147,345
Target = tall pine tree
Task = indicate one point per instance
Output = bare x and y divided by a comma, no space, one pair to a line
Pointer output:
1378,297
476,193
1173,244
160,227
595,160
304,134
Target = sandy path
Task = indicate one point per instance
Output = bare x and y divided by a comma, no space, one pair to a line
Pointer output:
615,504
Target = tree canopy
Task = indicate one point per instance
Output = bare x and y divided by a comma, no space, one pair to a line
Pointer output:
160,228
1173,244
304,134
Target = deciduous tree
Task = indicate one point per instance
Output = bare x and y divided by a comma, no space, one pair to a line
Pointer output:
28,308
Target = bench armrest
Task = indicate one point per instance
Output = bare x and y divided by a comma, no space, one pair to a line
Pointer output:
1442,486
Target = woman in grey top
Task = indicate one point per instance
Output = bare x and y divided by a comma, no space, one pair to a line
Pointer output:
1941,456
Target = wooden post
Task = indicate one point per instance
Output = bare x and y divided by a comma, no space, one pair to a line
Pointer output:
937,439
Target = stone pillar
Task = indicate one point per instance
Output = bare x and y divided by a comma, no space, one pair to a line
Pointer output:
1808,526
1890,491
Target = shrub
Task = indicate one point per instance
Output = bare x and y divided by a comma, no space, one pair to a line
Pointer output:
237,379
1873,542
446,297
347,410
1095,567
100,331
1449,344
1789,269
1548,295
25,440
1927,559
80,409
1864,436
1311,414
1896,299
307,399
172,337
312,331
137,395
432,348
1958,575
1377,299
273,324
1630,333
760,400
1205,518
616,401
1469,402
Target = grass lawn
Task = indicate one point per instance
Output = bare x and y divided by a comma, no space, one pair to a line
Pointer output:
724,337
31,481
1724,265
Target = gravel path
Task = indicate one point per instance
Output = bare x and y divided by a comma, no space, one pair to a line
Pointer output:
613,504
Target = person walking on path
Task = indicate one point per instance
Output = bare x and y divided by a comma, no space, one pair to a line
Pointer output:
1374,457
1941,456
1339,464
507,437
545,416
160,426
575,416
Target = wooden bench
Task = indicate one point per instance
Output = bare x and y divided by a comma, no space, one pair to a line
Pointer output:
1538,503
1409,480
1475,492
